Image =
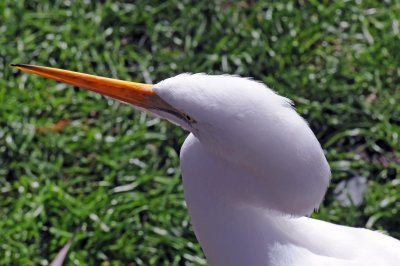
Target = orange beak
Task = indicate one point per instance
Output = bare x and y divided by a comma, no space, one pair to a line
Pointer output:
138,94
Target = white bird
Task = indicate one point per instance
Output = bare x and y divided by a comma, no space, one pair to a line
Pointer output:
252,171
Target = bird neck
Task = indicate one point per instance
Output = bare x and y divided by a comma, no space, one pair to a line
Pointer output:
230,230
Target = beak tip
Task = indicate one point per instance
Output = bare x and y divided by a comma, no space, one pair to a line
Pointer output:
21,65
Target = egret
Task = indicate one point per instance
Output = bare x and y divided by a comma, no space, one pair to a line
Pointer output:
252,171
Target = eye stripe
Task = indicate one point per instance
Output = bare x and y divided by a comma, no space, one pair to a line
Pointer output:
179,115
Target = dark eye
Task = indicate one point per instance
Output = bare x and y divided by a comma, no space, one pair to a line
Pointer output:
189,118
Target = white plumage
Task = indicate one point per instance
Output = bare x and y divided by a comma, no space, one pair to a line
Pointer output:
251,168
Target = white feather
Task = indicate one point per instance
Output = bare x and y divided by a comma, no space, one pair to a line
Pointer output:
251,169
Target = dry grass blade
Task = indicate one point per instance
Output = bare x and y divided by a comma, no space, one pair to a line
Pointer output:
59,260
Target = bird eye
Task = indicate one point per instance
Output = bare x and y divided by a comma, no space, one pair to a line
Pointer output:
189,118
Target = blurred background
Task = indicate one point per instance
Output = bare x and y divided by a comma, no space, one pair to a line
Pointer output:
77,166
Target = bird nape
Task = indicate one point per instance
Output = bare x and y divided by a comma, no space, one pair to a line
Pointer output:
252,171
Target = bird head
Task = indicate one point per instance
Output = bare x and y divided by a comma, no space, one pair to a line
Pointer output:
238,119
250,126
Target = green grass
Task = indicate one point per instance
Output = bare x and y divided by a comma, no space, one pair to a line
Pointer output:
110,179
